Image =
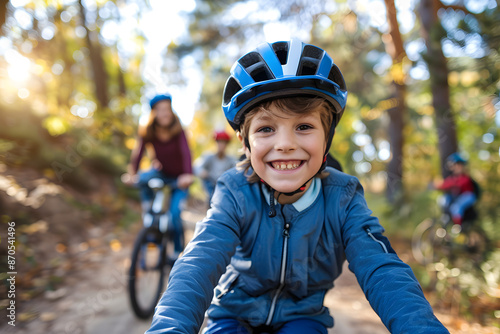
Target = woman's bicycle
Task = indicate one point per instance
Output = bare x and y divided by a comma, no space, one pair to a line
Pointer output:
153,254
437,238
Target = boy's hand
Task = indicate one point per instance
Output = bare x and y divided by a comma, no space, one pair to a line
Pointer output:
185,180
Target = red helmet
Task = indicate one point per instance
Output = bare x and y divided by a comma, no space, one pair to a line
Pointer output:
222,135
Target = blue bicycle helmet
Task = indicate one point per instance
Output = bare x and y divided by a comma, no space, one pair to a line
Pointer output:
159,98
283,69
456,158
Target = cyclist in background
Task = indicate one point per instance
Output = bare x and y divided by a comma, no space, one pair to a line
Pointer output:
215,164
459,189
164,138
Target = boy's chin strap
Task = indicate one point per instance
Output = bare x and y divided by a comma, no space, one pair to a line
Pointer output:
272,209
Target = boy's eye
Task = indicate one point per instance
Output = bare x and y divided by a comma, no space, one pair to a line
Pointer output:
265,129
304,127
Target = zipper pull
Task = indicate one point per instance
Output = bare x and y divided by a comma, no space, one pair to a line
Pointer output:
286,230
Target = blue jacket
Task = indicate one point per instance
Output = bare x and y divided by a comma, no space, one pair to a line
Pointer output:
278,269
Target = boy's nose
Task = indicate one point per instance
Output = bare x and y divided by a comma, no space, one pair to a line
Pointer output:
285,142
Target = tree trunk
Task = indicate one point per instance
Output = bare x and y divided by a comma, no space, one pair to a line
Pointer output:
3,13
438,71
100,77
394,46
122,88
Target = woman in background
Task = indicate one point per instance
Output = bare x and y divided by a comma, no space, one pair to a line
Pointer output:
164,138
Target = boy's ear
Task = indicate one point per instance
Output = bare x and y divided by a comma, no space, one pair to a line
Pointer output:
243,144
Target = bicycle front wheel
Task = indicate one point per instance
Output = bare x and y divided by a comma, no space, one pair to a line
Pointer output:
424,241
147,272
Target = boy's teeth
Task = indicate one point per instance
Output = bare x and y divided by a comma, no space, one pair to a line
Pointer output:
285,166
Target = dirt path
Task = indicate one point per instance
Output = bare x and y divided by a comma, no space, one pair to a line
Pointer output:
350,309
94,298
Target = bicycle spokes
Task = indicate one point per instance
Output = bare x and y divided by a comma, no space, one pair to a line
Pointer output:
147,272
150,256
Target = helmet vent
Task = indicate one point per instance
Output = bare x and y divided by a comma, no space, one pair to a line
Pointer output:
308,66
250,59
312,52
281,51
309,60
256,67
232,87
337,77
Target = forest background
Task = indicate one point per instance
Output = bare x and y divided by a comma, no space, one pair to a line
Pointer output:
76,78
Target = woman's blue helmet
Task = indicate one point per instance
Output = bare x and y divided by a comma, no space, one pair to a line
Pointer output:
159,98
457,158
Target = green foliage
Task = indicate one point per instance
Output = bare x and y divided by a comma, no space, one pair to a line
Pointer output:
464,286
55,120
28,144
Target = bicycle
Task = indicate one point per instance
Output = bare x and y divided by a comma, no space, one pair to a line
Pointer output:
153,251
436,238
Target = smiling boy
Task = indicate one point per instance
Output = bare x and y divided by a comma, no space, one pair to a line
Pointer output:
287,141
282,225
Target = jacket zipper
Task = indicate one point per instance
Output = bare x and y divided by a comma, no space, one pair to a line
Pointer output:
369,232
284,255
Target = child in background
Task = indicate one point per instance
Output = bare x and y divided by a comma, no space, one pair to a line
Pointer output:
281,226
214,165
458,188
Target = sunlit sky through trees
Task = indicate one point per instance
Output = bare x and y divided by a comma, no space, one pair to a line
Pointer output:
166,22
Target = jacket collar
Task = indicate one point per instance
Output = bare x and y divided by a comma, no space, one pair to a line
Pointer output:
305,200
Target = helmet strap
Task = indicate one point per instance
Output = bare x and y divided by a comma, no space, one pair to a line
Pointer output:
247,143
323,165
272,191
328,144
272,209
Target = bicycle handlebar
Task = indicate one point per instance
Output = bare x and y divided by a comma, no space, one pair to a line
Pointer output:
154,183
157,183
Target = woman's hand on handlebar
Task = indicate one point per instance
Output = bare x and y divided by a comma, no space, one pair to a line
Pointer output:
185,180
130,179
156,164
